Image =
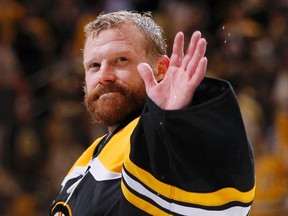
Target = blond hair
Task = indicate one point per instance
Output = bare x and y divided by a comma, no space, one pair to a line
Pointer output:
144,22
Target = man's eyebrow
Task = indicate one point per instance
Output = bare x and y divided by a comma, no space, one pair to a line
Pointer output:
124,52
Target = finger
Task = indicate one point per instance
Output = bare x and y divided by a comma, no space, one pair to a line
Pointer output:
191,48
199,73
197,56
147,75
177,53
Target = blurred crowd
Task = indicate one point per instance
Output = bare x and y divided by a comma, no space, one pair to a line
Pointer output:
44,126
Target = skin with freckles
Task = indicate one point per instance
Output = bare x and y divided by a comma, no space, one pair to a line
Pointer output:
119,72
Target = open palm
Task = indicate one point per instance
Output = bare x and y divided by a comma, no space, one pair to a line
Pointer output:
183,75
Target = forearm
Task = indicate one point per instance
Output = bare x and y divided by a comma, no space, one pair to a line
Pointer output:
201,149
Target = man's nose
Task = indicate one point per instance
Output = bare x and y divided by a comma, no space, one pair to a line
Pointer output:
107,73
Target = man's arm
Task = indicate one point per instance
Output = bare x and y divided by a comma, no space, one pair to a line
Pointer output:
189,157
193,161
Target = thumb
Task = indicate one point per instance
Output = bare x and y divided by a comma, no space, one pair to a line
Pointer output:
147,75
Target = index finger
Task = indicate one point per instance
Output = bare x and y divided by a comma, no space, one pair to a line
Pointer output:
178,46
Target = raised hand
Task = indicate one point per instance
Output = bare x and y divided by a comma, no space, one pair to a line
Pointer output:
183,75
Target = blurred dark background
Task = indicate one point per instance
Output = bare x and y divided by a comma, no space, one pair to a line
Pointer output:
44,126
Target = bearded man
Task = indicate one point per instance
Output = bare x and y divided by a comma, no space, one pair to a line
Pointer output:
176,144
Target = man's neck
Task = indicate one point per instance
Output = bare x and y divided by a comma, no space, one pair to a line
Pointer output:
111,129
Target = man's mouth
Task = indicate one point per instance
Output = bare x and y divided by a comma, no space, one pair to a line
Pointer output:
106,91
107,94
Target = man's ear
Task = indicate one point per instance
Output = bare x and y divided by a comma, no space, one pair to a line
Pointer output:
163,64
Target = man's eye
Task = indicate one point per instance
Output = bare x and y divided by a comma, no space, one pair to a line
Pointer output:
94,65
122,59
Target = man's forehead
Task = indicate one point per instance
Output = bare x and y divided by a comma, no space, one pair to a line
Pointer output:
125,32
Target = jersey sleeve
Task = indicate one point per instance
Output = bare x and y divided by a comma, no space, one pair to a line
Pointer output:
194,161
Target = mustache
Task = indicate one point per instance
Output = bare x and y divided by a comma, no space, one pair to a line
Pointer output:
103,89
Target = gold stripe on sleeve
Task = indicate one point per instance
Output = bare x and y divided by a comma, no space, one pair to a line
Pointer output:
140,203
217,198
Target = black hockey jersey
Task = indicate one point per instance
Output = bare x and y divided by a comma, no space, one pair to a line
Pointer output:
194,161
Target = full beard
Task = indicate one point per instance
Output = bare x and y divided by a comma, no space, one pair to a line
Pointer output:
111,104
